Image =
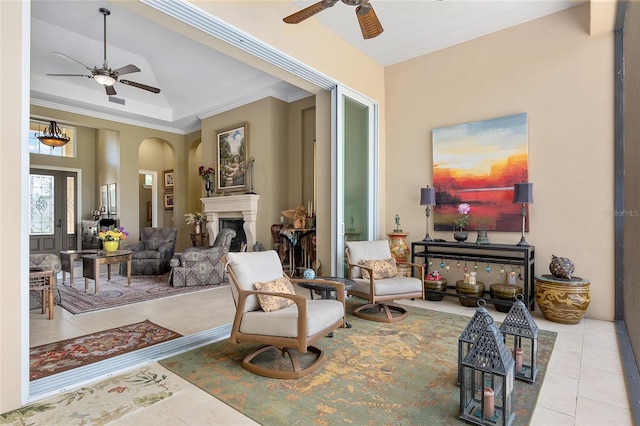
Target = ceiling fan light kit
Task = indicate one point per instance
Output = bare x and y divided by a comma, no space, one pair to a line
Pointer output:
104,75
367,18
53,136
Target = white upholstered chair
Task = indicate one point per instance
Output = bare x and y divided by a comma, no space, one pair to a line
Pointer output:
380,291
292,328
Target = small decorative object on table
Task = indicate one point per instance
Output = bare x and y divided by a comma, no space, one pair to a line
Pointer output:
461,222
196,220
207,174
483,238
309,274
299,216
562,297
112,237
434,281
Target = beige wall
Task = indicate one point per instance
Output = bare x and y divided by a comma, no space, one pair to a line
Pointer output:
563,79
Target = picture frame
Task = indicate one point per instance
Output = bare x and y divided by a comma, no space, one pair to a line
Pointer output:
167,178
232,145
168,201
111,191
478,163
104,199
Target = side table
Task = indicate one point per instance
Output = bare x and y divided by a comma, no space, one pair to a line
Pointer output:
200,239
42,280
326,290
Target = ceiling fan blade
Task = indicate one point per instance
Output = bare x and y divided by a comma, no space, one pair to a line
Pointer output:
368,20
72,60
70,75
127,69
111,91
308,12
140,86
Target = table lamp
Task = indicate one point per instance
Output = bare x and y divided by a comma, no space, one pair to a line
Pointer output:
427,198
523,194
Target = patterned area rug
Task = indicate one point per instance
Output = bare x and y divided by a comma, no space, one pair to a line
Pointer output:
60,356
402,373
98,404
116,292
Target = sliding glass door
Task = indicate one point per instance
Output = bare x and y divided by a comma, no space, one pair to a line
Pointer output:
355,158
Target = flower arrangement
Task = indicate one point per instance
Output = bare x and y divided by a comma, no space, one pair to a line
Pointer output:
463,220
193,218
207,173
113,234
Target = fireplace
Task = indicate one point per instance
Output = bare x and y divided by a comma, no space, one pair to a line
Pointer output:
243,206
237,225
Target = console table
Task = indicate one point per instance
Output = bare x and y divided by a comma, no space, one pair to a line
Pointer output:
490,253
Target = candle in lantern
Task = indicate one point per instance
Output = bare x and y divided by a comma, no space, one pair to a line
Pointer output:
518,360
489,402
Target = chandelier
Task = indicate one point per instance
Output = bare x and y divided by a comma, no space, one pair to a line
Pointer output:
52,135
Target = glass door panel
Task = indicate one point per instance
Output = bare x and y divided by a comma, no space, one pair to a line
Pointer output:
356,171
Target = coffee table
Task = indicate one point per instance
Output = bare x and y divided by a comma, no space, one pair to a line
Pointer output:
68,258
91,266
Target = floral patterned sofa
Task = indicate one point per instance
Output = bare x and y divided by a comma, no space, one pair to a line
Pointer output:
46,261
202,266
151,256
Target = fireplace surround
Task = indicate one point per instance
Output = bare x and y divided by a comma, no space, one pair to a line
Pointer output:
243,206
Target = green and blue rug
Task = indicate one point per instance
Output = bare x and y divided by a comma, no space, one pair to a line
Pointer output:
380,374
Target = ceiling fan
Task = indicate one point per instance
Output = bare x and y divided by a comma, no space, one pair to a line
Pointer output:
105,75
367,18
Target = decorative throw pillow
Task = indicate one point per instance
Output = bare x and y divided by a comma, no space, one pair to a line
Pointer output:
273,303
561,267
382,268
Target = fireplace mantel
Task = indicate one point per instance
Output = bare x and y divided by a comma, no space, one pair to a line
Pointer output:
243,206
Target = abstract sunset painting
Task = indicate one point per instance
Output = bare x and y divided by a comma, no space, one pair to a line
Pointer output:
478,163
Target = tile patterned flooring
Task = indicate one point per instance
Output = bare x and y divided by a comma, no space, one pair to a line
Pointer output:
579,388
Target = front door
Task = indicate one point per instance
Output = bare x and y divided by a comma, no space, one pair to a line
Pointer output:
52,211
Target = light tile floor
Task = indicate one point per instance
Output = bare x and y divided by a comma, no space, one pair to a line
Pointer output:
584,383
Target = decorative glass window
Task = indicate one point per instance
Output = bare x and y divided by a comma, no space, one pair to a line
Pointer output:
35,147
41,220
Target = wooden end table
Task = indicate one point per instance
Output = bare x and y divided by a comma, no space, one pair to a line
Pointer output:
91,266
42,280
68,258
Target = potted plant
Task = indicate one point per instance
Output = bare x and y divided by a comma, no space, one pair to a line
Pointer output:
461,222
112,237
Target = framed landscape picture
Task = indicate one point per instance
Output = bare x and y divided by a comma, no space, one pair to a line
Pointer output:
232,147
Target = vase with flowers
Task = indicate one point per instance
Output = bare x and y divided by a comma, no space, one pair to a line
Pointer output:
194,219
111,238
461,222
207,173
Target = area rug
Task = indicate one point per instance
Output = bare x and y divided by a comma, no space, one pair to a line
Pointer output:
100,403
403,373
64,355
116,292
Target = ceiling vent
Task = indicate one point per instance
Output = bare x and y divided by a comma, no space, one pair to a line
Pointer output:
116,100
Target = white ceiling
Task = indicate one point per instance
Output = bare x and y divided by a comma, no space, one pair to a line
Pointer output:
197,81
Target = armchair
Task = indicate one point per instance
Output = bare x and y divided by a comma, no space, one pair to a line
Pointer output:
151,256
46,261
202,266
374,271
293,326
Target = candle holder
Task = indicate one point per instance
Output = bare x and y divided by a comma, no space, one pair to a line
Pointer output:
487,380
471,333
521,333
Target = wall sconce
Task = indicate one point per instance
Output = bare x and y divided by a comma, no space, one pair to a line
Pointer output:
521,333
427,198
52,135
523,194
487,381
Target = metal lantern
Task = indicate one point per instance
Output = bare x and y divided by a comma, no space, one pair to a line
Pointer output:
521,333
486,386
471,332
